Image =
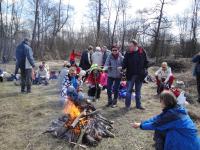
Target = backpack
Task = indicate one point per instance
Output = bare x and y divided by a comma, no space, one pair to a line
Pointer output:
197,69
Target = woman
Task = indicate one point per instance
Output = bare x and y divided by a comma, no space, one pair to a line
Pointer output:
113,66
174,129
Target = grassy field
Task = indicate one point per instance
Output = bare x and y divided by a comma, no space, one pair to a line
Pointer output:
23,117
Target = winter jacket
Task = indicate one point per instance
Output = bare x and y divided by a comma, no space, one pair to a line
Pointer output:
181,132
112,65
69,81
24,56
61,77
42,73
136,63
73,55
85,62
164,74
97,58
196,59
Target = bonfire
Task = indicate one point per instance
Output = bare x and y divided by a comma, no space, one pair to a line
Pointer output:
81,125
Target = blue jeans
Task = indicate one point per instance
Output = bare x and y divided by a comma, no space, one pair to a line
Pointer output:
114,88
138,84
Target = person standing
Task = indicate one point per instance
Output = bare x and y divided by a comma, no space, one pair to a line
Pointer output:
196,59
113,66
136,63
97,57
106,53
73,56
86,62
25,62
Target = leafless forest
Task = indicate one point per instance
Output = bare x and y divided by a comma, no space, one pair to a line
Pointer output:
49,25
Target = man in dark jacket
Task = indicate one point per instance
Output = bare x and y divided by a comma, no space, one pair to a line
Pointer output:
25,62
196,59
135,62
85,62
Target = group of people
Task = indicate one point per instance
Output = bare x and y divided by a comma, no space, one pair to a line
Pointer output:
104,69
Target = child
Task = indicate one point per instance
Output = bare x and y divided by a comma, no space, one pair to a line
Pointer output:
42,75
71,79
174,130
103,80
93,81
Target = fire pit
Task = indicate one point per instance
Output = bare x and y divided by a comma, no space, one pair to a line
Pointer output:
81,125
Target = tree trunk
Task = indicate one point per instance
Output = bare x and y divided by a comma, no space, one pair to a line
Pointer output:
157,33
98,24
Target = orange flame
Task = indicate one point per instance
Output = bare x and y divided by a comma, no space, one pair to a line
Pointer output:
73,111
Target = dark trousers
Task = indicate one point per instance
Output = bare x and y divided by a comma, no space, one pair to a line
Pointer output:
113,86
94,92
26,79
198,86
159,138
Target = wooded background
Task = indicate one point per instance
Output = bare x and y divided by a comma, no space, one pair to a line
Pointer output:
50,27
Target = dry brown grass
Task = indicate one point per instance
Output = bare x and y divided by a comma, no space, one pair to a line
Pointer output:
24,117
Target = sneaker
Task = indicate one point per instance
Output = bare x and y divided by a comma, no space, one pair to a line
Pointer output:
141,108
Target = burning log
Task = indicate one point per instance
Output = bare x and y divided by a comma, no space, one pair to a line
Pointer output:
76,121
81,125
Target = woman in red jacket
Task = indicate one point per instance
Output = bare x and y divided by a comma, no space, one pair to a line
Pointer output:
73,55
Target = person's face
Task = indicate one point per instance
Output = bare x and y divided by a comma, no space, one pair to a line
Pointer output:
164,67
115,51
73,73
103,49
131,45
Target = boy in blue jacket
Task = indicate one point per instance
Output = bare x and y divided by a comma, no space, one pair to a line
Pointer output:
174,129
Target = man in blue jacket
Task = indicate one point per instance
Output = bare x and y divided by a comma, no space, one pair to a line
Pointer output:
25,62
196,59
135,62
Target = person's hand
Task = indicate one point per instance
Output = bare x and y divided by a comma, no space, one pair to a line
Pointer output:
136,125
119,68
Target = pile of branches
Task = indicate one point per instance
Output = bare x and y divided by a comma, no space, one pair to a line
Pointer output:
90,134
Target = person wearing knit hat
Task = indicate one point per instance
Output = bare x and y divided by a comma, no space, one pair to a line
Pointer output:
93,81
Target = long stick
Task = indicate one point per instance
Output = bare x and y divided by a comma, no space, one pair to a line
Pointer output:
80,138
80,145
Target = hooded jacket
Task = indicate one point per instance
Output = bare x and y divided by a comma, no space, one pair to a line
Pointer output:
181,132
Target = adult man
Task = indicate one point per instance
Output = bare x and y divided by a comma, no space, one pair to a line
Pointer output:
135,62
86,62
25,62
164,77
97,57
113,66
196,59
106,53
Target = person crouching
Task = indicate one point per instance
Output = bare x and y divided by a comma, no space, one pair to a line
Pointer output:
93,82
164,78
174,129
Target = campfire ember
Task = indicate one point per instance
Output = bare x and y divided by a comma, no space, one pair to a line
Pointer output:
81,125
